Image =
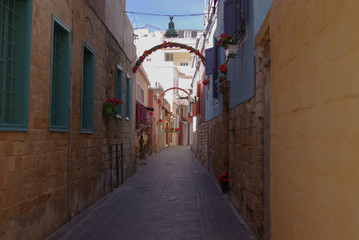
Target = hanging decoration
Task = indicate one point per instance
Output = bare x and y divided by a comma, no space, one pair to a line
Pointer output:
167,45
172,89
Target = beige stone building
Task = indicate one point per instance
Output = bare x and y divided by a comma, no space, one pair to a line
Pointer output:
54,141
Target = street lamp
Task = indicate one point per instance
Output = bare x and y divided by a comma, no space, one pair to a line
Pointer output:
171,32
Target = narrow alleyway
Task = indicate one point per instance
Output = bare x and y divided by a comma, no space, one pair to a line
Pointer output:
172,197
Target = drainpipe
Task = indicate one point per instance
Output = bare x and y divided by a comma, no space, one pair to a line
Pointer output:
208,146
70,120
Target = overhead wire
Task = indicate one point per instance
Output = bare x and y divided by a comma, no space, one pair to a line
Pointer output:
167,15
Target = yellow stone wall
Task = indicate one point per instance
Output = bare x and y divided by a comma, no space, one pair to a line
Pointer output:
314,119
182,57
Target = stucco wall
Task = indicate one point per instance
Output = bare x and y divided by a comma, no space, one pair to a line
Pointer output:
314,120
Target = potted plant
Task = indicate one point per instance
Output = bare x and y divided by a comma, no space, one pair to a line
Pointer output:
109,107
224,181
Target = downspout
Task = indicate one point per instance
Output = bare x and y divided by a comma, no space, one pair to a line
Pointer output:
70,119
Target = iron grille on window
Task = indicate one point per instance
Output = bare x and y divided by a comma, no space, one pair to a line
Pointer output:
15,25
87,89
60,76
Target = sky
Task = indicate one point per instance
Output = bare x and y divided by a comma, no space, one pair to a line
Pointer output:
166,7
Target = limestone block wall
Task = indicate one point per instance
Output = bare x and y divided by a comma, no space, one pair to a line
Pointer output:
47,177
201,138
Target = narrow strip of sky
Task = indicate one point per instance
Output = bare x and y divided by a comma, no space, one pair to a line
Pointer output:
166,7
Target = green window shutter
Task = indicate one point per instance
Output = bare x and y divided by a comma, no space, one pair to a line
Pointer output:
119,90
128,91
15,43
59,76
87,94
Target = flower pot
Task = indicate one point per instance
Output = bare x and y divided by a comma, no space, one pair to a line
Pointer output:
231,51
225,187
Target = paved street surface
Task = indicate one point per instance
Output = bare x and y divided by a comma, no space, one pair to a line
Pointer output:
172,197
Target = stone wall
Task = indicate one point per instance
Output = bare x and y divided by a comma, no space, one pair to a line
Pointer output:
237,146
201,143
47,177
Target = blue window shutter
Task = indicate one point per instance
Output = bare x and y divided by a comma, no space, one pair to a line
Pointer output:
60,76
15,44
119,90
230,17
87,90
210,60
128,99
215,69
243,4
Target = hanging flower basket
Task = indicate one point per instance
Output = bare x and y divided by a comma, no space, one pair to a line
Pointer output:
109,107
224,181
231,50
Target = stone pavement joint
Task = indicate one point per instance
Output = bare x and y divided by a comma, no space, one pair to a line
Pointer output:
172,197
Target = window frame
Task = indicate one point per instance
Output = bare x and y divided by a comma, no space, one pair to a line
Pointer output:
128,95
168,55
119,95
20,124
139,87
89,84
67,76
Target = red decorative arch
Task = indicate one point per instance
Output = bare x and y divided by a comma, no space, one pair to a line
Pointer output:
174,88
167,45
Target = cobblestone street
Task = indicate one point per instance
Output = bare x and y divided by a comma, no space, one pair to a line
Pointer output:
172,197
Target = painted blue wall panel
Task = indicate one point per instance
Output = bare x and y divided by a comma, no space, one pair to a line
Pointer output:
241,68
260,11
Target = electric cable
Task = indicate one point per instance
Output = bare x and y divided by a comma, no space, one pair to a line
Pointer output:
167,15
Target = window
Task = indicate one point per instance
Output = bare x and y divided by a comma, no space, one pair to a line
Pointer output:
140,95
87,95
169,57
148,59
193,34
184,63
119,90
15,39
128,99
180,33
234,20
211,66
59,76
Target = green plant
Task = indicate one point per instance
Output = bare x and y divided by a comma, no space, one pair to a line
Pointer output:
109,107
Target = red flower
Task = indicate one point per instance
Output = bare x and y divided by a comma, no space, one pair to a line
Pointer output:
223,68
141,58
134,69
197,52
114,101
165,44
190,49
145,53
223,35
178,129
151,113
218,43
160,120
224,177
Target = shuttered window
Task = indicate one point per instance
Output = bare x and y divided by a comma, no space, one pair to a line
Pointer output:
119,90
15,39
230,17
235,15
87,88
60,76
128,97
210,60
